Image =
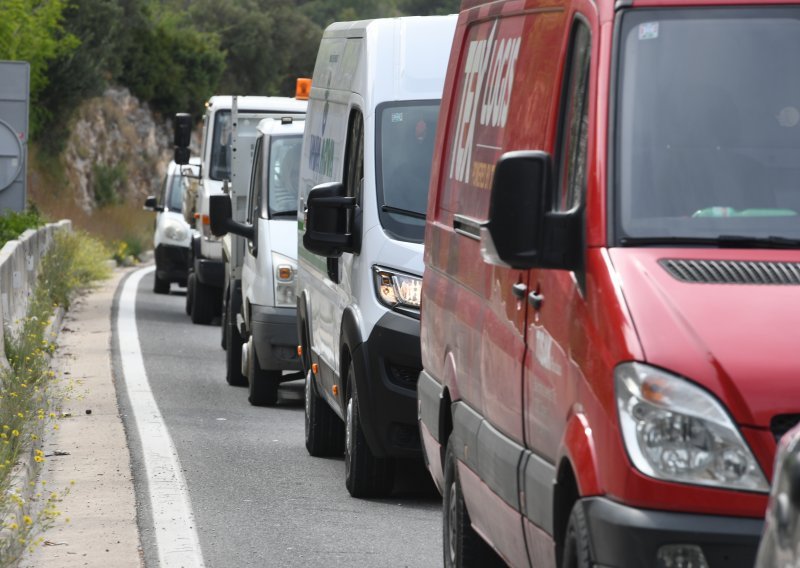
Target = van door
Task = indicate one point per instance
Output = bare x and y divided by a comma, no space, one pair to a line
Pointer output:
254,201
551,375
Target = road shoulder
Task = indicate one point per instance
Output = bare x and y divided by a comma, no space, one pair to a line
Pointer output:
89,448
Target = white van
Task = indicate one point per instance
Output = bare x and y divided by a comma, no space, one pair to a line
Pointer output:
207,276
367,153
172,234
263,334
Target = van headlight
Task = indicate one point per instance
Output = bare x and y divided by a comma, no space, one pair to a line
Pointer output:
285,272
397,290
176,231
676,431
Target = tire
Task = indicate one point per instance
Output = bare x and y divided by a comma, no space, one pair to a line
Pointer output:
263,384
226,307
577,550
202,302
324,429
160,286
189,293
365,475
233,356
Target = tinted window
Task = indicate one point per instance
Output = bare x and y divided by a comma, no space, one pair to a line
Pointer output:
405,137
220,167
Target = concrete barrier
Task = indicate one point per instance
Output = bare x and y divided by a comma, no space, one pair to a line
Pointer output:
19,267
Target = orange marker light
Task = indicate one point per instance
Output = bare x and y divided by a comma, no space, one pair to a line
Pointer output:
299,350
303,89
206,220
314,368
335,390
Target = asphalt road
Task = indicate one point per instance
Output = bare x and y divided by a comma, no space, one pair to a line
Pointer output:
258,498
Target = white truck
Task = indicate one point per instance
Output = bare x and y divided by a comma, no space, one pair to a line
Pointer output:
206,282
261,328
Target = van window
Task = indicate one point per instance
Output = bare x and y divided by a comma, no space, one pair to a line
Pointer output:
707,148
220,168
174,200
404,140
354,156
256,182
575,122
284,172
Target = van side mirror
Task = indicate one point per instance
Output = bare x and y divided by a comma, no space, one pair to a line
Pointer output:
522,231
151,204
330,221
221,219
183,136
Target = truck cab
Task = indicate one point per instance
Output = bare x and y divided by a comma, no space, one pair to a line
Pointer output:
206,284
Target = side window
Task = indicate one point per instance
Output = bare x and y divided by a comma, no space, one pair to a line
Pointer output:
256,184
162,193
573,135
354,164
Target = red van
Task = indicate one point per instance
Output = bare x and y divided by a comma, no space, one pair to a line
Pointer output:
611,296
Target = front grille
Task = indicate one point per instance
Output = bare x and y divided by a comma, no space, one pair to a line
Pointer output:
733,271
782,423
403,376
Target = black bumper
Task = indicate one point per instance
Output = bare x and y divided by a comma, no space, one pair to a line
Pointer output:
275,337
172,263
625,537
387,367
210,272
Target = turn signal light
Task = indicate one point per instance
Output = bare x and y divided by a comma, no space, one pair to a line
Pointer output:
299,350
314,368
335,390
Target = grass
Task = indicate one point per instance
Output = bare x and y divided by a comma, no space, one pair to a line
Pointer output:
13,224
30,392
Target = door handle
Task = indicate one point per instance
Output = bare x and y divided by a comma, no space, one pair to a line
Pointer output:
536,300
519,289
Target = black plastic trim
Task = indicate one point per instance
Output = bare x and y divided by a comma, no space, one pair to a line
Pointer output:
627,537
275,337
429,397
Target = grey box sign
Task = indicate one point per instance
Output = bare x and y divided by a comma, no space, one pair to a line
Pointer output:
14,107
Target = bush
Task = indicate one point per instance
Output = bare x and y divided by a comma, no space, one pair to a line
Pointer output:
13,224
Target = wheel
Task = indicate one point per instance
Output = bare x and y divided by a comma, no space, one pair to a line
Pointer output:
233,355
577,552
463,547
189,293
202,302
365,475
263,384
324,430
160,286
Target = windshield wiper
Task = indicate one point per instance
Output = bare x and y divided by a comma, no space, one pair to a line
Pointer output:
722,241
406,212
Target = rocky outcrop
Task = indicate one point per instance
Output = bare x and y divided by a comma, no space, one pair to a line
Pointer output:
118,150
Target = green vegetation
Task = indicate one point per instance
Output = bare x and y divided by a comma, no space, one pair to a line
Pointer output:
107,181
13,224
31,393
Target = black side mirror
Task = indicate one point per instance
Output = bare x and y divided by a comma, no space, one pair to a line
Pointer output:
513,235
221,217
183,136
522,232
330,221
151,204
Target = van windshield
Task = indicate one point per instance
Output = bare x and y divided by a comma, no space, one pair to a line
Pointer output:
247,123
404,139
707,133
284,175
175,193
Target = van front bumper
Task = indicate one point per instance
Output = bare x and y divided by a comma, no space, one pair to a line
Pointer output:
388,364
210,272
172,263
627,537
275,337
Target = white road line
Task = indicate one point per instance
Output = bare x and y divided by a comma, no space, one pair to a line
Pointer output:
173,522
